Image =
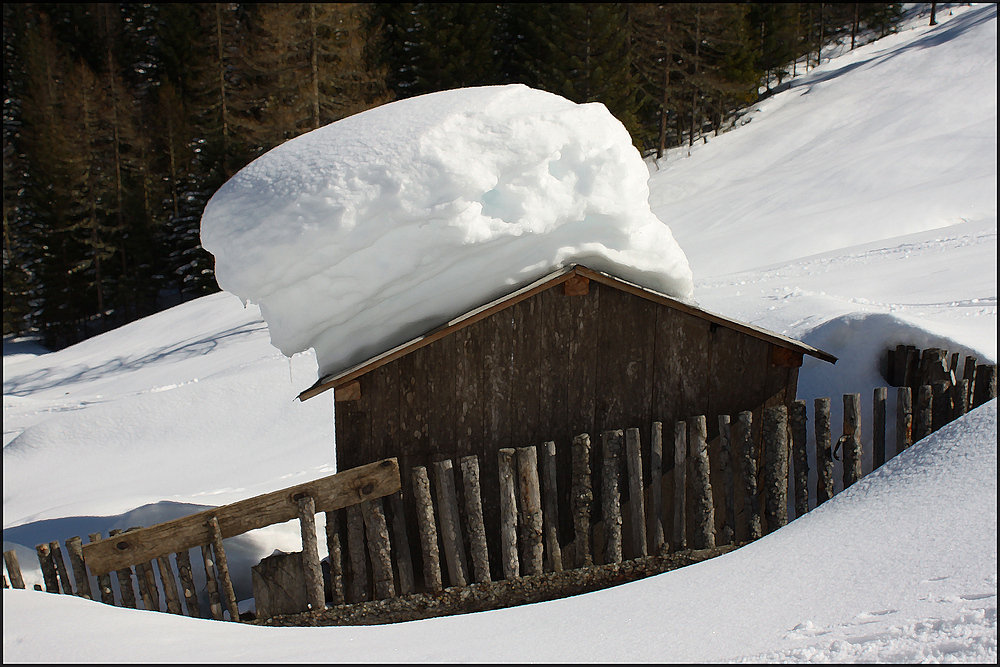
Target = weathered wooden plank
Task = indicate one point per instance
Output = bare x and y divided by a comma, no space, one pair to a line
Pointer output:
878,426
508,514
583,499
315,597
530,519
680,486
611,444
451,527
550,502
703,535
13,569
340,490
904,418
774,471
637,505
48,568
125,586
427,529
655,516
379,550
851,440
222,570
103,580
475,527
74,547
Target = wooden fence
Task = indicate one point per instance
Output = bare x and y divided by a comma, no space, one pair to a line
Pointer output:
651,504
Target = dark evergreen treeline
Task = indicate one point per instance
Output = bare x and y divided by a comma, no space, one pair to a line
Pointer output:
120,119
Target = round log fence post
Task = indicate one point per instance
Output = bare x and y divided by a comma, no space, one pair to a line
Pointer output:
610,500
103,580
680,486
633,459
125,587
222,568
583,499
986,385
335,554
530,515
656,535
704,506
379,549
48,568
851,439
969,373
474,519
726,461
879,396
800,459
508,514
923,421
451,529
824,451
211,583
942,409
13,569
904,418
57,558
743,441
960,398
74,547
186,576
357,567
169,584
401,544
550,506
427,529
310,553
774,431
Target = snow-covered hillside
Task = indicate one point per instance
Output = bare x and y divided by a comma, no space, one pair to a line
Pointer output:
856,210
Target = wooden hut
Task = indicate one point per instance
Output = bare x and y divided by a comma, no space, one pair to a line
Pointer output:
578,351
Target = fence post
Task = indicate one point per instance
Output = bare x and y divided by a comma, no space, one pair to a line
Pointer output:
451,529
57,558
13,569
904,418
704,506
357,582
728,487
508,514
379,549
183,559
310,553
610,499
169,584
583,498
680,486
335,556
401,544
550,500
427,529
986,385
942,410
745,447
774,430
851,439
74,546
532,552
48,568
103,580
824,451
474,518
656,488
637,504
923,422
222,567
800,460
878,426
211,583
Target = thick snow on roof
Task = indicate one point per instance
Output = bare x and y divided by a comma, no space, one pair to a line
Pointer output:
368,232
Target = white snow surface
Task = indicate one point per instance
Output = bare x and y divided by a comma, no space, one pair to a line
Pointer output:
368,232
193,407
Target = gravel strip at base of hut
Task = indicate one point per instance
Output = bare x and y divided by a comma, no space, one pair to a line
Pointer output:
498,594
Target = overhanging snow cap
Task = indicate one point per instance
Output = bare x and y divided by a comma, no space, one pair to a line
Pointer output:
560,276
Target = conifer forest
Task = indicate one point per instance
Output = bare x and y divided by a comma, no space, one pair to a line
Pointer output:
120,120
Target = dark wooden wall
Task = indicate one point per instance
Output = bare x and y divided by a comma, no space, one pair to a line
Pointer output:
549,368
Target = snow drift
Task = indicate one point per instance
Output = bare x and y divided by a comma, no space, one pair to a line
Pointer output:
362,234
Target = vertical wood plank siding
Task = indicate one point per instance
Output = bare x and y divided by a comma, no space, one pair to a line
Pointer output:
551,367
